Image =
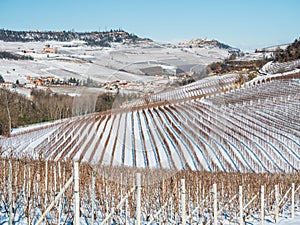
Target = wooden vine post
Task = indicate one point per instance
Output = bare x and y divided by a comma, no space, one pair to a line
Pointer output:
138,198
76,194
241,205
183,205
262,205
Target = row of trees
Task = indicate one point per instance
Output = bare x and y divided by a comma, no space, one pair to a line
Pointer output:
16,110
8,55
91,38
229,65
292,52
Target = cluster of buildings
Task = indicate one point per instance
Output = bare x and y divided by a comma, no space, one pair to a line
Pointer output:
32,82
7,85
49,49
117,84
199,42
41,81
46,49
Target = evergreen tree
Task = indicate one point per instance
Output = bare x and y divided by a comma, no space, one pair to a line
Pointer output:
1,79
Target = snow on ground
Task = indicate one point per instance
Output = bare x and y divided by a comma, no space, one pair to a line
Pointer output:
102,64
284,220
35,126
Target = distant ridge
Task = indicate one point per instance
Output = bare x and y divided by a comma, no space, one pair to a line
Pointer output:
205,43
93,38
103,38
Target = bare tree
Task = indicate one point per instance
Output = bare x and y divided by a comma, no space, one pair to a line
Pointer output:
8,114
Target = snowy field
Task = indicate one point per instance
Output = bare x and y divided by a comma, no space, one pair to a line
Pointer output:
122,62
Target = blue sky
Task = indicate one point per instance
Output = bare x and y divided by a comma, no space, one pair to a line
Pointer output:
247,24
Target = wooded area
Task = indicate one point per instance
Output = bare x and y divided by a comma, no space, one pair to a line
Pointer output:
17,110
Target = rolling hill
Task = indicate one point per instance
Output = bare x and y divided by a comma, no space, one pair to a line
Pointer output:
209,125
219,123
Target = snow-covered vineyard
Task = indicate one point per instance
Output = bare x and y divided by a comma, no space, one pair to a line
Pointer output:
201,88
275,68
182,142
250,129
39,192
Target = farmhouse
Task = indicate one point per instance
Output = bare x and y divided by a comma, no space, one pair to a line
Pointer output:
7,84
48,49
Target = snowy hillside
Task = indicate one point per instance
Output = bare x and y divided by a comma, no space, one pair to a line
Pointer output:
254,128
118,62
